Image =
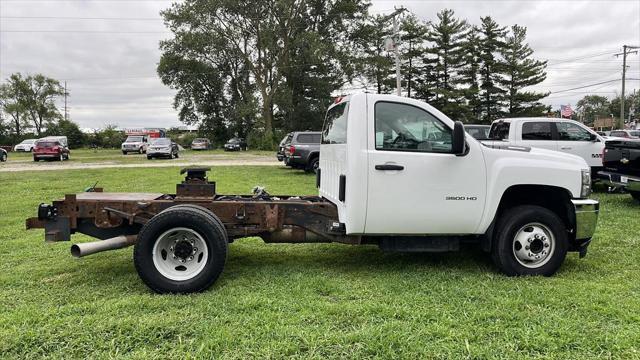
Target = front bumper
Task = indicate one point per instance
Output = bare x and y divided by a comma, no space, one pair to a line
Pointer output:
630,183
156,152
586,218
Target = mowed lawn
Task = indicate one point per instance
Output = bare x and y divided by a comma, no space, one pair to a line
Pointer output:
307,301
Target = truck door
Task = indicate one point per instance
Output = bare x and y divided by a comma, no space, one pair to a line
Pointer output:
537,134
416,185
576,140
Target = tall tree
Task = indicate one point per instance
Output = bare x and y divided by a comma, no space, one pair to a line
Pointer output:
470,72
374,61
491,68
12,103
522,71
591,107
32,98
448,36
413,41
251,48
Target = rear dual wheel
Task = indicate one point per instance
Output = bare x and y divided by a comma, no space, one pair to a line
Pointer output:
529,240
181,250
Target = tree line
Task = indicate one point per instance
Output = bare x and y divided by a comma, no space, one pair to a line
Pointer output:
593,107
259,70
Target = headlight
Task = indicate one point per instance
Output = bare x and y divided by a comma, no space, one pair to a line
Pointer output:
586,184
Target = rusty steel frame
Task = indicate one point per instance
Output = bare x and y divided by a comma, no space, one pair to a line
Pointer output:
106,215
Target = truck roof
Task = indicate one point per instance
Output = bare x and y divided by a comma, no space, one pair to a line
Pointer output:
539,118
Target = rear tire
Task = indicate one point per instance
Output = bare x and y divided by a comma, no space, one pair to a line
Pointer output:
313,165
124,153
529,240
35,159
193,269
3,157
635,195
149,157
140,151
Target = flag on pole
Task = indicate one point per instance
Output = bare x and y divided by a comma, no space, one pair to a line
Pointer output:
566,111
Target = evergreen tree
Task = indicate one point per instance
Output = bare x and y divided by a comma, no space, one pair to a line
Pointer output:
413,35
447,36
522,71
469,72
375,64
491,68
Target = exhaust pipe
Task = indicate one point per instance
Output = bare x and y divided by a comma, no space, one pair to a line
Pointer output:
118,242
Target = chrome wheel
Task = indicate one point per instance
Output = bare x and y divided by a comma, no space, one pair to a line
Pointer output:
180,254
533,245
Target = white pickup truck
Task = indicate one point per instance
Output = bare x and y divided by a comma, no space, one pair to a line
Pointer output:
562,135
394,172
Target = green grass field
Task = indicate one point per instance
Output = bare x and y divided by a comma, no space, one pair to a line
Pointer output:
307,301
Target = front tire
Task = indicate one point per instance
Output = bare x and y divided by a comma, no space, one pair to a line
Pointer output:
529,240
181,250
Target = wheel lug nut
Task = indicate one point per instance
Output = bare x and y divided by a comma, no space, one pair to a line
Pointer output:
182,261
529,240
526,247
190,258
544,238
536,236
537,256
546,245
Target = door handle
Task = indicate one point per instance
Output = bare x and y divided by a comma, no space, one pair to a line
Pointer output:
389,167
565,147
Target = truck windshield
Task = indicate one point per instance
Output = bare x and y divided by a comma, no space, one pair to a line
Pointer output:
499,130
334,130
134,139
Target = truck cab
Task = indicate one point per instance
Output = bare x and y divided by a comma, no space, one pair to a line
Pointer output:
404,175
562,135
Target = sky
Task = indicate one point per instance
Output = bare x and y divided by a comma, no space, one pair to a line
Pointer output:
107,50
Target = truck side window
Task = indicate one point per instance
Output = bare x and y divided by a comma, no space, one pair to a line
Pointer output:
572,132
499,130
402,127
334,130
540,130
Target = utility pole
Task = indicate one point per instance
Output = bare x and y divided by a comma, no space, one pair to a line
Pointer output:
396,43
66,114
624,72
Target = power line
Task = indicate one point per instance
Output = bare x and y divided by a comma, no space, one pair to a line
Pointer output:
585,86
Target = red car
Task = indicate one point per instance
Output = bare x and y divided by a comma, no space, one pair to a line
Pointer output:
50,148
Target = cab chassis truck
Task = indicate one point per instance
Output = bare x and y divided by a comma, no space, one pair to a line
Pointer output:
394,172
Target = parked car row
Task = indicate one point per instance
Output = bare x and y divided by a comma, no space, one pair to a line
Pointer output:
301,150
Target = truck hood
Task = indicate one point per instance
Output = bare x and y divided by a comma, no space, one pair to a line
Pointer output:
533,153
